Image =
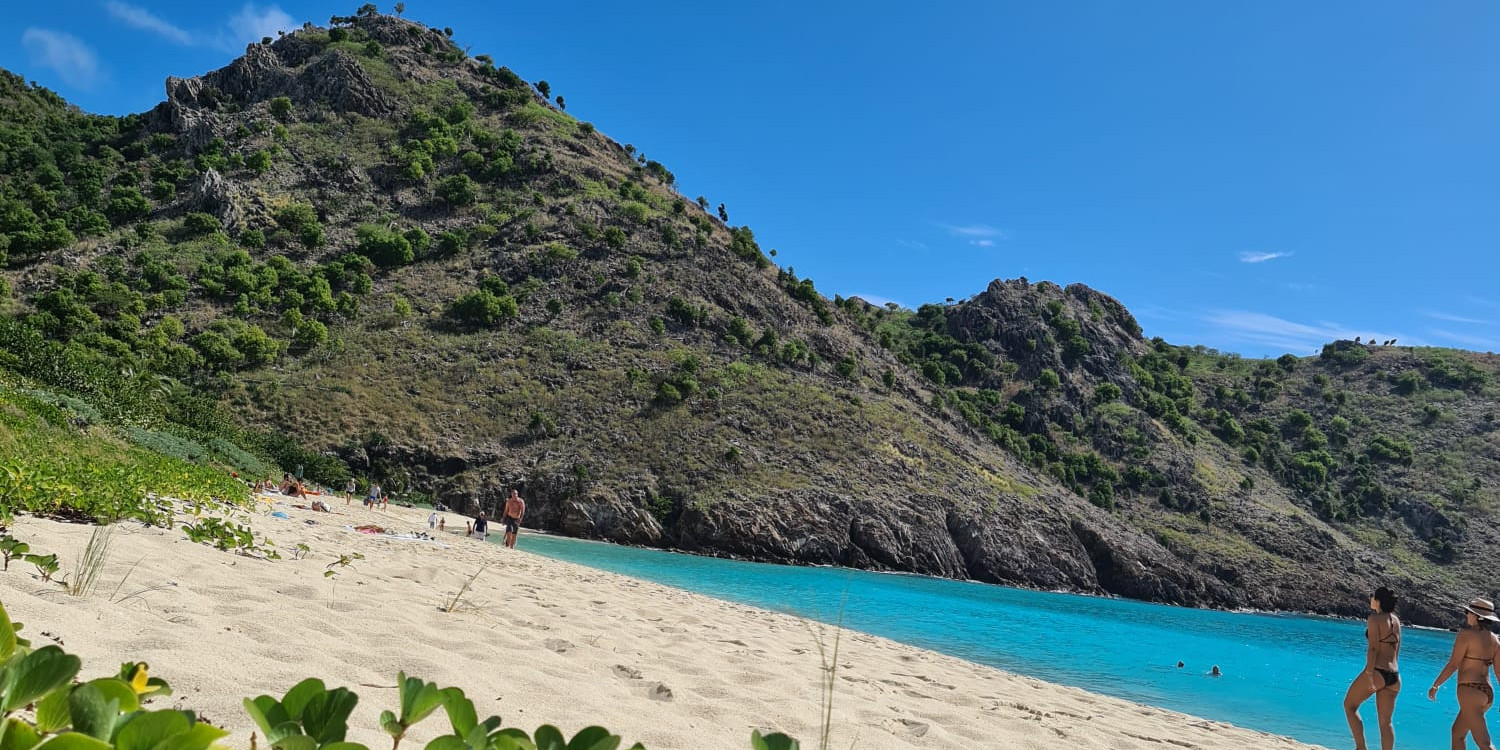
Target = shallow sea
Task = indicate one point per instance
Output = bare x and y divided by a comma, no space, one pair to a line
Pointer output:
1284,674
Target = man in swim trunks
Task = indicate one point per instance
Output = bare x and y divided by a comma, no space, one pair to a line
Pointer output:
515,510
481,526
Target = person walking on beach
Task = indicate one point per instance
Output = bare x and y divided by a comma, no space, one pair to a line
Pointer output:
515,510
374,496
349,488
1473,658
481,526
1380,677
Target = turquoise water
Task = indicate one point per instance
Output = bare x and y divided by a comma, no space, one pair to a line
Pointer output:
1283,674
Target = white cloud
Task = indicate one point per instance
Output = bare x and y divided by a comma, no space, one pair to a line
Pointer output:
1286,335
975,231
252,23
982,243
141,18
1476,342
876,301
1451,318
912,245
1250,257
64,53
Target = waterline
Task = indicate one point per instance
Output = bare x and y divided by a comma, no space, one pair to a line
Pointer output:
1284,674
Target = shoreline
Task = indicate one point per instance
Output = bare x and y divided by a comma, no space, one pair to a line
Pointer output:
1016,586
534,640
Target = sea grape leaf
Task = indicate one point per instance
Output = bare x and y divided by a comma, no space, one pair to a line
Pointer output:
326,716
594,738
271,717
74,741
511,739
460,711
52,714
118,690
92,712
7,636
548,737
418,699
197,737
18,735
36,674
774,741
295,742
145,731
447,742
297,698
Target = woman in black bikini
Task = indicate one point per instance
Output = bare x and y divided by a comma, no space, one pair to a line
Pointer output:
1473,659
1381,677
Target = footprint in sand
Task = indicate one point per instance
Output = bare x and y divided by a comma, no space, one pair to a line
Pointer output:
909,727
659,692
627,673
558,645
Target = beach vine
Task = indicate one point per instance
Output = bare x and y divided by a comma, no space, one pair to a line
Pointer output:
44,706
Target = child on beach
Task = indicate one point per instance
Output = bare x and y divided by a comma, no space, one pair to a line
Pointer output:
481,526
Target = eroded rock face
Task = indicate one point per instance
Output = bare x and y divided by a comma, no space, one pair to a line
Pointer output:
292,67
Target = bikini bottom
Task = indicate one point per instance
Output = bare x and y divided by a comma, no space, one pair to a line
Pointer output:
1483,687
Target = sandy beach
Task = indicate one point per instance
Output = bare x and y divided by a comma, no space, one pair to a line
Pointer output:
534,641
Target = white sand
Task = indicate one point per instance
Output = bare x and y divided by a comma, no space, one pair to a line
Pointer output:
536,641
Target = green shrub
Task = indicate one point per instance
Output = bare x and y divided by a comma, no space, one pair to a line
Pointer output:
484,308
457,190
386,247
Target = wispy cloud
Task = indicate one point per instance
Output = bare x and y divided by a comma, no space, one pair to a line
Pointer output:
253,22
250,24
909,244
1254,257
141,18
1474,342
1451,318
64,53
982,235
877,300
1286,335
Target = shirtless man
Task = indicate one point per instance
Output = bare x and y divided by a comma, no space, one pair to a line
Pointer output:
515,510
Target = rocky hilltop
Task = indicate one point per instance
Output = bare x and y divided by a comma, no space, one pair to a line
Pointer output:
409,265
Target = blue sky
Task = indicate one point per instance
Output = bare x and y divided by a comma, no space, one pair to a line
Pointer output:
1255,177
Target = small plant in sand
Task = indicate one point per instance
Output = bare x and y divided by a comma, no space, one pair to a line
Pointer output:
12,547
230,537
300,551
46,565
343,561
457,600
86,570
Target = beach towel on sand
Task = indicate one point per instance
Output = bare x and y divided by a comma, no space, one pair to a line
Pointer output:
376,531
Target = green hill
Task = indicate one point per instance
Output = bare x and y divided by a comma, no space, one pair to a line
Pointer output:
359,250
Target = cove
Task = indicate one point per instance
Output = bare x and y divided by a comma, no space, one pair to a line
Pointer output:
1284,674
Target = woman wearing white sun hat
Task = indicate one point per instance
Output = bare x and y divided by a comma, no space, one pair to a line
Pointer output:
1473,659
